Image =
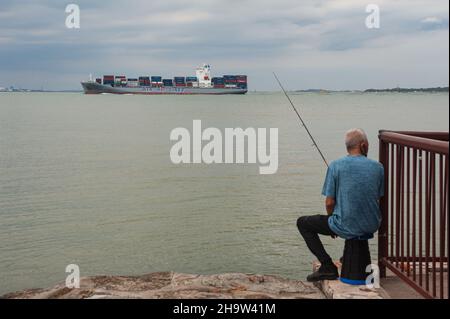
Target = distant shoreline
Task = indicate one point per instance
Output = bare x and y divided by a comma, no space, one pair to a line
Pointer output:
410,90
323,91
393,90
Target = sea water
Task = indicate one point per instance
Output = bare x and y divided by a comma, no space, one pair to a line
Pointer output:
88,180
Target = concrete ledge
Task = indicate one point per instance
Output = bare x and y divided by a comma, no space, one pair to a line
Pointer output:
397,288
335,289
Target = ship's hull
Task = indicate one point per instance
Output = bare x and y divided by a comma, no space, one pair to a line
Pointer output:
95,88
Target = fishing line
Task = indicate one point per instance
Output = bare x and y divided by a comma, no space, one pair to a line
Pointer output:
301,120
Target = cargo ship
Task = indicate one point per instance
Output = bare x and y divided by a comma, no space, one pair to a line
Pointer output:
201,83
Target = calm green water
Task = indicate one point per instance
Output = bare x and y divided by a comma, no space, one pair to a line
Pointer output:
88,180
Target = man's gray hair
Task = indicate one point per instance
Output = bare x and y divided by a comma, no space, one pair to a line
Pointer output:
354,137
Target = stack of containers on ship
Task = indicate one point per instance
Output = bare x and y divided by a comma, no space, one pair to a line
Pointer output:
191,81
144,81
235,81
227,81
230,82
241,82
180,81
218,83
108,80
167,82
132,82
157,81
121,80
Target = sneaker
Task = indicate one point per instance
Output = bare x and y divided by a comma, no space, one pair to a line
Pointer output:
325,272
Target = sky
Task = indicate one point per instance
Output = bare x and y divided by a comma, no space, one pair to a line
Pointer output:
309,43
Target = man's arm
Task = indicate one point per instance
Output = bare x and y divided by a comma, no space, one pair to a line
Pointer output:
330,190
330,203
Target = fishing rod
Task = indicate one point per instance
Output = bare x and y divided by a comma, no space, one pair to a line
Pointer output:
301,120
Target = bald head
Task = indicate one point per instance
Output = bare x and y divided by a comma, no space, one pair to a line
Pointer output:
356,141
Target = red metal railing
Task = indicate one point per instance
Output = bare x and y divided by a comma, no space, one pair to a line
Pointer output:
413,240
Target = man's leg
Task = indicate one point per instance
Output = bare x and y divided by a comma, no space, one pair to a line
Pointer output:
310,227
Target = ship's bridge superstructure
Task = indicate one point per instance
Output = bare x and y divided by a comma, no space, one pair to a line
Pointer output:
203,74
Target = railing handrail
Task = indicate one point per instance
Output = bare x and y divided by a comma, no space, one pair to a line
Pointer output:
441,136
421,143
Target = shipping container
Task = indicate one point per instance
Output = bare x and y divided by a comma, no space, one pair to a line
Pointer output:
108,80
217,81
144,81
168,82
132,82
156,79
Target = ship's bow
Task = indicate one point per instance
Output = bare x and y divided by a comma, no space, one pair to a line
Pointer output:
91,88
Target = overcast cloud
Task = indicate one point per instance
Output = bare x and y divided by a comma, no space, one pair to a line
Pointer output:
310,43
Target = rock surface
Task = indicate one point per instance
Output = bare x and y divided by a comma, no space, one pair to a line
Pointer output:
168,285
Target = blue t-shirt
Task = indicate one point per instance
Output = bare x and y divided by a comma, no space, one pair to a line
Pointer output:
357,184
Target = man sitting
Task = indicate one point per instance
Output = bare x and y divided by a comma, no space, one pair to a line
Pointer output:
353,187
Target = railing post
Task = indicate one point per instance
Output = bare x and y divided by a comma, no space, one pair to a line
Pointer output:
384,206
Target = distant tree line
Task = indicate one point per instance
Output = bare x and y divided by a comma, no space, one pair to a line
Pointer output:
409,90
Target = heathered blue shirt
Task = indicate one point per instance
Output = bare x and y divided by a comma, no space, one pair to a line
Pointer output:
356,183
